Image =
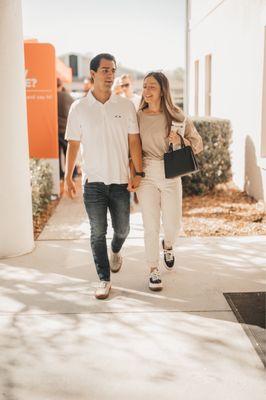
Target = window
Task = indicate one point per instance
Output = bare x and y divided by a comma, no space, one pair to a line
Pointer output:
208,60
73,63
196,89
263,111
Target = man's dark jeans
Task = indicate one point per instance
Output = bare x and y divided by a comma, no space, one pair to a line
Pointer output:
98,198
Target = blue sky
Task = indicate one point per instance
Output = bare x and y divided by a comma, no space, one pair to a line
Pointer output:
142,34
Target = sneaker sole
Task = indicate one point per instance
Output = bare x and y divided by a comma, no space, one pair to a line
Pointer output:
102,296
115,270
156,288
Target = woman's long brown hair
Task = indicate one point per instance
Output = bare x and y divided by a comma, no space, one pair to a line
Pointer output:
172,112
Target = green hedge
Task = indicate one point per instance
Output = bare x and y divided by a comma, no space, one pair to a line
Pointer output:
42,185
214,161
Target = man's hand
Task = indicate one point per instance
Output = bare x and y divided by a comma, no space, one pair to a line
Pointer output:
70,187
71,155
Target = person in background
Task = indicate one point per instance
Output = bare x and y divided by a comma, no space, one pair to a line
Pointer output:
127,88
64,101
117,89
87,85
159,196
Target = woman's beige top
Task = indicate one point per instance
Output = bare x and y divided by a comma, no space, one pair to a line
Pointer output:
154,135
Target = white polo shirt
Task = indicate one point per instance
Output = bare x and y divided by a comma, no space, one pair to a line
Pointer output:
103,131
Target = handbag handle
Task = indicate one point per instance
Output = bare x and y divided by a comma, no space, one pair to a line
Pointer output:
171,149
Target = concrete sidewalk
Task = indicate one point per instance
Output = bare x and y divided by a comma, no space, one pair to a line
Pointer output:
58,342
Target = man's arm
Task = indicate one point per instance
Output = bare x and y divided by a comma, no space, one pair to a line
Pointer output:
136,157
71,155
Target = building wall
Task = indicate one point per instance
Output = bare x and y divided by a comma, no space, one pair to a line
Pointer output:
83,61
233,32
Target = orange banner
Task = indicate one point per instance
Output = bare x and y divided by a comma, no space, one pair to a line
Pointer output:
40,74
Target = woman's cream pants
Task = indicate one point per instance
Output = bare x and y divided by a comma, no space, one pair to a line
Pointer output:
159,198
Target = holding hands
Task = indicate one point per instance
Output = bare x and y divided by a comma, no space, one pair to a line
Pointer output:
133,183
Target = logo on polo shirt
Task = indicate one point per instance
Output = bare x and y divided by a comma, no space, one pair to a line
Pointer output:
118,116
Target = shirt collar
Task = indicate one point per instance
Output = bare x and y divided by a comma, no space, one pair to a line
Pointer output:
92,100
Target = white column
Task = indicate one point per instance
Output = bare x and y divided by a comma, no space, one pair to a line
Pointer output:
16,228
187,57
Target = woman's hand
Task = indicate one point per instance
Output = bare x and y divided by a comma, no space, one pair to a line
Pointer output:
133,183
174,138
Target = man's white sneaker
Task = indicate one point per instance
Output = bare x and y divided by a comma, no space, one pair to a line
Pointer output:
103,290
169,258
155,282
115,260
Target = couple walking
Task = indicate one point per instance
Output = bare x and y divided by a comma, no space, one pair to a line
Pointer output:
109,130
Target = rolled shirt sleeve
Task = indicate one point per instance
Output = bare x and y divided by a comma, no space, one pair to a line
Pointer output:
133,126
191,135
73,128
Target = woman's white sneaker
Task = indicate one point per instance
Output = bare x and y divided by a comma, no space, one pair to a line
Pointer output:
169,258
155,282
103,290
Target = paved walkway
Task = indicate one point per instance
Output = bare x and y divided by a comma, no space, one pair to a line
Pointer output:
58,342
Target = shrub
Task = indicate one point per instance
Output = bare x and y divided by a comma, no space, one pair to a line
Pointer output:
214,161
42,185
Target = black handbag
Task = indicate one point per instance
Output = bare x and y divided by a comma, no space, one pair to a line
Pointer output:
180,162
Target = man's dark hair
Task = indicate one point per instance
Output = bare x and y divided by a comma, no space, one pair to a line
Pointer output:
95,62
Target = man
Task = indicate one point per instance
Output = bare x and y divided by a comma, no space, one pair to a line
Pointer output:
87,85
106,126
127,87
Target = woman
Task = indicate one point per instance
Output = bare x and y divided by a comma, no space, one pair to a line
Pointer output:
157,195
